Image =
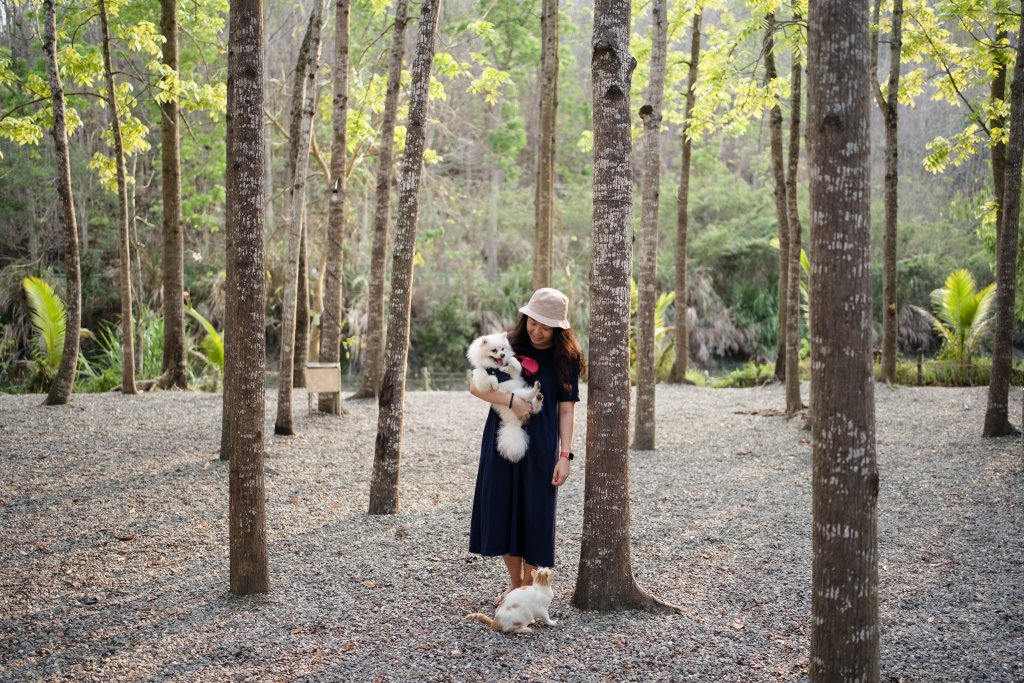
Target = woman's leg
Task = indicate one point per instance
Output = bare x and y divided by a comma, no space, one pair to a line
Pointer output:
515,570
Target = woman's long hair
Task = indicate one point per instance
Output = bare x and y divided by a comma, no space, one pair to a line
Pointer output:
567,349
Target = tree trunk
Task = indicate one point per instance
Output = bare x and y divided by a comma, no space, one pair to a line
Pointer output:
650,114
245,292
302,307
173,264
997,420
998,94
844,603
781,211
64,382
128,358
373,345
388,451
605,581
303,110
682,331
793,401
888,104
330,317
544,208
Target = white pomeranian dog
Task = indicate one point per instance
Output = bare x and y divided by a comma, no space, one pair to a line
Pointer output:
495,368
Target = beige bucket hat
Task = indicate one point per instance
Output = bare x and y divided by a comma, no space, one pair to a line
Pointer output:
549,307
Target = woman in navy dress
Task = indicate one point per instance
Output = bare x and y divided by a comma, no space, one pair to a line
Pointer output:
514,504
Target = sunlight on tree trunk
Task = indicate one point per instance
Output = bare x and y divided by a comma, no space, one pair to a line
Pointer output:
605,581
844,602
303,112
128,357
781,210
330,318
682,328
793,401
173,265
997,420
888,104
244,325
388,450
544,207
373,345
64,382
650,114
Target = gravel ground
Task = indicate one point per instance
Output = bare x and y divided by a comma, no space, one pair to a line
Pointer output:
114,566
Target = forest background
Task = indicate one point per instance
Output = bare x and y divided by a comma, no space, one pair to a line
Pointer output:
474,241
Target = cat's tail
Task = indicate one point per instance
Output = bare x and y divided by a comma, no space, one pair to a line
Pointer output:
480,616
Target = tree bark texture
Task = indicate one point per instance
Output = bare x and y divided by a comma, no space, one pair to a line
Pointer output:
302,305
303,110
605,581
997,420
544,207
888,104
793,401
64,382
682,328
650,114
372,346
245,351
330,317
998,94
128,348
388,450
781,212
173,266
844,603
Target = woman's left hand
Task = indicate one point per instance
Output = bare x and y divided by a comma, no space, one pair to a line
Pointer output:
561,472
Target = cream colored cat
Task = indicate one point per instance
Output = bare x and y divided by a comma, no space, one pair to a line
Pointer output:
522,606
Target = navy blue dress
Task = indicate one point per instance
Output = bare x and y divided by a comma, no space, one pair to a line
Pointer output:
514,504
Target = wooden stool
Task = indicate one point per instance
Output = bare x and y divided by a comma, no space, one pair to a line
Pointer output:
322,378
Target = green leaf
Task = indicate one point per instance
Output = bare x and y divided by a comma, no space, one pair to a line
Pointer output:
49,319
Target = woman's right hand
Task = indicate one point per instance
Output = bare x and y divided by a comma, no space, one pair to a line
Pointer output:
521,407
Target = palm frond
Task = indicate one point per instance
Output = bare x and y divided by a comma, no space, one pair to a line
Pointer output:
49,318
213,342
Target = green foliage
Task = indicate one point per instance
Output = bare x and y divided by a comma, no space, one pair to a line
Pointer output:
963,315
664,342
212,342
101,371
440,340
750,374
941,373
49,319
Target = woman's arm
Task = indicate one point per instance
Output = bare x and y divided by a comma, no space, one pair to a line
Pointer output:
566,427
519,406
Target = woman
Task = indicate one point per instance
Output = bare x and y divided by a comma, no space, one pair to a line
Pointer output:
514,504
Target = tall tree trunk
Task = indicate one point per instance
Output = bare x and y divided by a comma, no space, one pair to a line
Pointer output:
606,580
888,104
491,248
244,324
544,207
781,211
303,110
388,452
128,358
998,94
793,400
302,305
682,328
373,345
330,318
173,263
997,421
844,603
64,382
650,114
